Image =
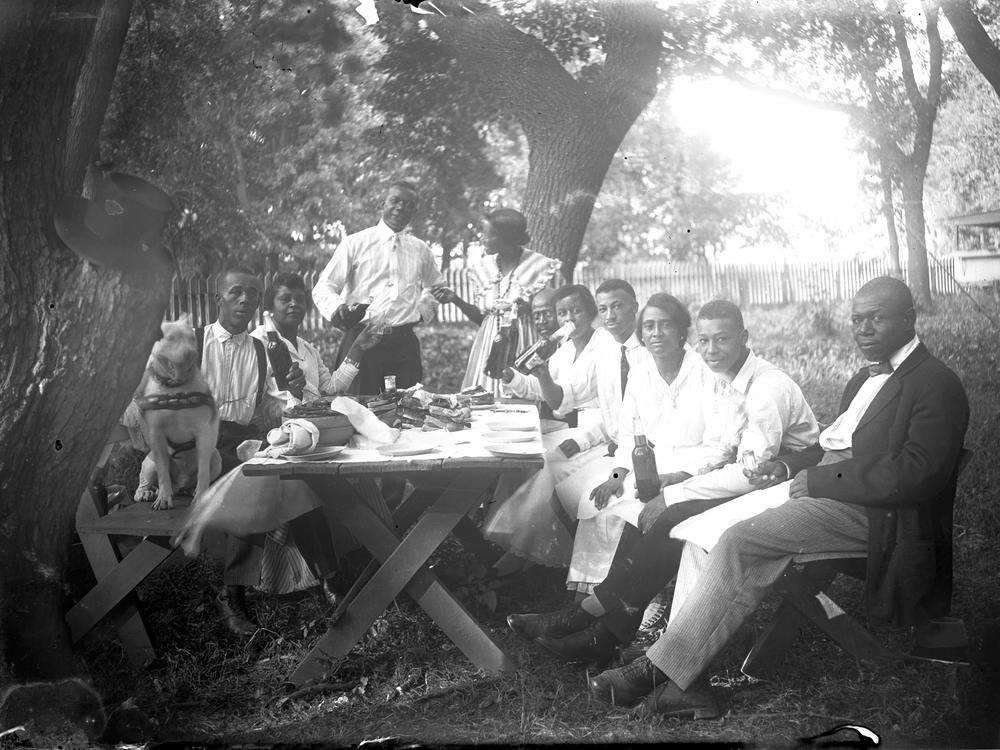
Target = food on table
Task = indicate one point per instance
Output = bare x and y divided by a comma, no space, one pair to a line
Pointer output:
419,408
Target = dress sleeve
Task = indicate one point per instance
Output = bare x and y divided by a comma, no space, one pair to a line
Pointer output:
534,273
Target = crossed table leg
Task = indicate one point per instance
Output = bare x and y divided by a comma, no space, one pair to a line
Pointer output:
403,567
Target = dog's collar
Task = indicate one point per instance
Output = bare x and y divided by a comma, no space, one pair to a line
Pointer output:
174,401
168,382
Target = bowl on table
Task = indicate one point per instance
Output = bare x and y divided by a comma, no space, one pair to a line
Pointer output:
333,430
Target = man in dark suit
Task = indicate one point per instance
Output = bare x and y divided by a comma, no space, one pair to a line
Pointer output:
878,481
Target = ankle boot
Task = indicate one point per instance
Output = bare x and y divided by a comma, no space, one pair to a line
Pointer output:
595,643
570,619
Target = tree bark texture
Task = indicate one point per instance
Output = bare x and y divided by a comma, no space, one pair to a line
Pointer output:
573,128
889,214
73,337
972,35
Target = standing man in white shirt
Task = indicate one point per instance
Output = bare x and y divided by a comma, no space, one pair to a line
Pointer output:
393,273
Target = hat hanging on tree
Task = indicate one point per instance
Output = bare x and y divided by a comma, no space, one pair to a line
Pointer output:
121,227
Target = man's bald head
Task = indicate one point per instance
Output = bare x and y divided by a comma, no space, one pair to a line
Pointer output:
543,311
882,318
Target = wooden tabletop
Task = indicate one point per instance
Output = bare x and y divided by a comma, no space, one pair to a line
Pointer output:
392,466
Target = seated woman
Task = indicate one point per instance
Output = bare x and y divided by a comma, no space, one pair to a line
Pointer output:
507,275
525,517
670,398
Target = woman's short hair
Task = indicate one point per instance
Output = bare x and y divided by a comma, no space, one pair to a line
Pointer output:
510,225
674,309
289,281
580,291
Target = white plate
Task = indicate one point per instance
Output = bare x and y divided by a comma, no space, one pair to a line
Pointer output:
506,450
509,436
521,425
320,455
513,409
482,407
405,449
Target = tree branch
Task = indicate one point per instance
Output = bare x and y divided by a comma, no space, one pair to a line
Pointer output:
903,47
975,39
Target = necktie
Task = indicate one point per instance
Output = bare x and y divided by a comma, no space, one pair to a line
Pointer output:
879,368
624,369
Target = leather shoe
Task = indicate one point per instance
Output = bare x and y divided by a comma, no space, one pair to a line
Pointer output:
625,685
593,644
231,604
570,619
669,700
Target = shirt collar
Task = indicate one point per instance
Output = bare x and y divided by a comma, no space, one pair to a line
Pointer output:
903,352
223,335
742,380
385,232
632,342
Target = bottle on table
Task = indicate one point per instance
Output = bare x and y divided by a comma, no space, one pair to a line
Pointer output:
504,348
543,349
647,478
277,353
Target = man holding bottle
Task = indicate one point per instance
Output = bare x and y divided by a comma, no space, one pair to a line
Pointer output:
382,274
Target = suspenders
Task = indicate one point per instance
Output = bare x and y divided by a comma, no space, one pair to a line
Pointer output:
258,345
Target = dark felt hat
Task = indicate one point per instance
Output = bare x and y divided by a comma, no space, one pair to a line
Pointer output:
943,640
121,227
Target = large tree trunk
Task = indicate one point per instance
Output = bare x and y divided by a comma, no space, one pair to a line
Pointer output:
573,128
971,34
917,270
73,337
889,214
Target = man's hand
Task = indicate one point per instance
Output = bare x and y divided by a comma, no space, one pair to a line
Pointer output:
569,448
602,493
768,474
507,375
800,485
675,477
340,317
444,294
296,380
650,512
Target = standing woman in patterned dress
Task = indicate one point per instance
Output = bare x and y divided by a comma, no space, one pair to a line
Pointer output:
507,274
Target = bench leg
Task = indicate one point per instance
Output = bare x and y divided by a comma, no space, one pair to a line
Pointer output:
114,593
403,567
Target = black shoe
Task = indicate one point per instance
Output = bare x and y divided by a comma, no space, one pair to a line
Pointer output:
625,685
696,702
570,619
594,644
231,604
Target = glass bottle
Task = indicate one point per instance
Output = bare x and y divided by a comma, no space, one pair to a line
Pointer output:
277,353
748,461
543,349
647,478
504,347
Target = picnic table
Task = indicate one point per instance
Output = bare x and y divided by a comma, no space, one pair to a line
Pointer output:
451,472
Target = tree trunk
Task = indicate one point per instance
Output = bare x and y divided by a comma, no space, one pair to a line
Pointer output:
573,128
889,213
917,270
73,337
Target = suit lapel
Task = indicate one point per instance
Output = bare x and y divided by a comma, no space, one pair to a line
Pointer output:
892,386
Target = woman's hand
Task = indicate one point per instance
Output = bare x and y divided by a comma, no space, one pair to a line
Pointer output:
444,294
673,478
768,474
365,341
601,495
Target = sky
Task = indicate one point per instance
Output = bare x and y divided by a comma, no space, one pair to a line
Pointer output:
784,148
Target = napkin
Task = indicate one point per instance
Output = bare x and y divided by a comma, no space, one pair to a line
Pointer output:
371,430
293,437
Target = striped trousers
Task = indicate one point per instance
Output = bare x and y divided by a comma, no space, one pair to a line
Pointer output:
721,589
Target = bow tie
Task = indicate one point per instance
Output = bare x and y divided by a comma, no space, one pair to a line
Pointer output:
879,368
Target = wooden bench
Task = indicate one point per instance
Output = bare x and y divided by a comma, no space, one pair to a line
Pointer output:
118,574
803,588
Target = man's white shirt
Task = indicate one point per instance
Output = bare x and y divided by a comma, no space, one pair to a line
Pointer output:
229,366
394,272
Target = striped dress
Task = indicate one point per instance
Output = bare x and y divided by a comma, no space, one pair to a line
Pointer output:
533,272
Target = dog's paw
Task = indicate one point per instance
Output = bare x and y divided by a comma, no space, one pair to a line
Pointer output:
164,502
145,495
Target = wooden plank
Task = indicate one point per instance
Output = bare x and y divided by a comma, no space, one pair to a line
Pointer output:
772,644
139,519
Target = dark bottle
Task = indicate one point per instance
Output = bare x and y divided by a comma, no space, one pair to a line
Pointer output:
277,353
543,349
504,347
647,478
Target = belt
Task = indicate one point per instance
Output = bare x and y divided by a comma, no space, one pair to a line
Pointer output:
389,330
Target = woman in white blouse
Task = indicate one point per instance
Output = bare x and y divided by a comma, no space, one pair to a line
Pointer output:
670,397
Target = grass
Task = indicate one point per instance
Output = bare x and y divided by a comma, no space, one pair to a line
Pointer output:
406,680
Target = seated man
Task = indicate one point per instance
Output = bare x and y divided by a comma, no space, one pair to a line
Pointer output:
757,408
876,482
